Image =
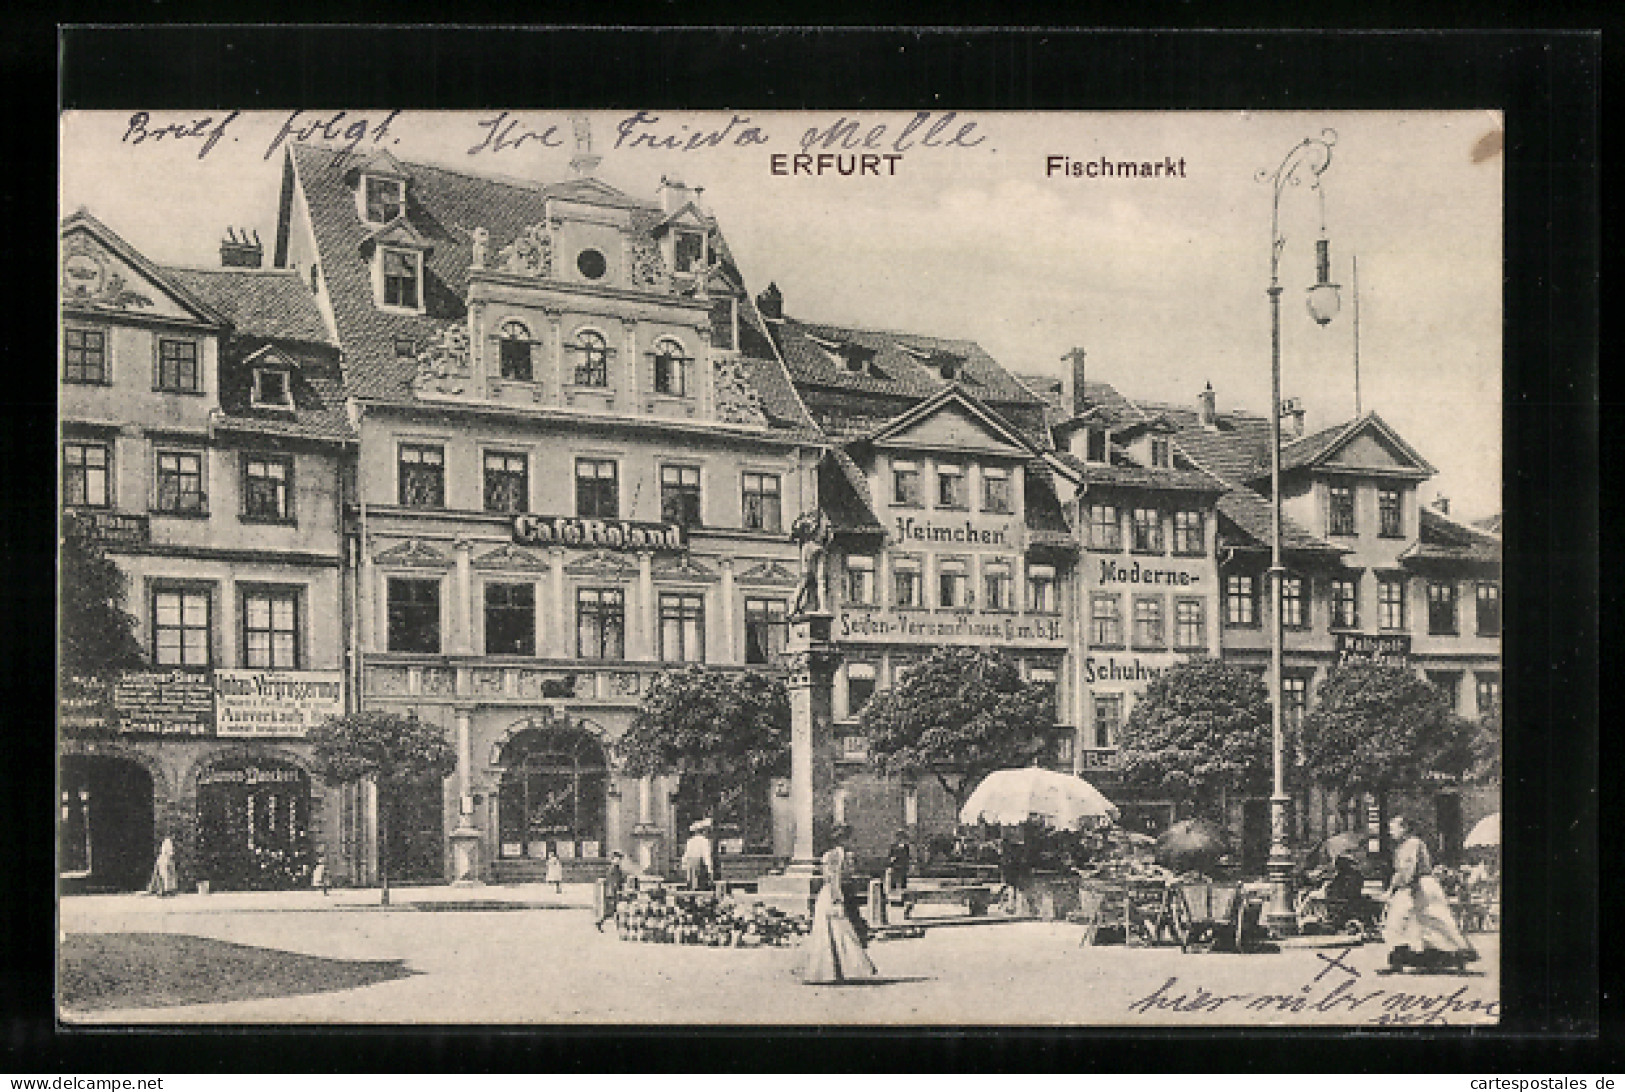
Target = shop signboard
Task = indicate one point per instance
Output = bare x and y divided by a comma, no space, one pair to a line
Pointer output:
85,704
169,703
1383,650
578,533
885,626
260,704
116,528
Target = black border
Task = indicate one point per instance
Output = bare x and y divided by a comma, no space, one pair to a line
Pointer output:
1548,83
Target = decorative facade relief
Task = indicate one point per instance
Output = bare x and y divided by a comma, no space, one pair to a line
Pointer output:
530,255
488,682
444,364
439,682
509,556
736,399
413,552
88,277
388,680
648,264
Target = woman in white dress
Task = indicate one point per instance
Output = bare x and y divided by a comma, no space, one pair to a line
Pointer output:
833,950
1418,922
164,880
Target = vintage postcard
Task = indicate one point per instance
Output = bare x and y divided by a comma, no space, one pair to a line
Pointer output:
760,567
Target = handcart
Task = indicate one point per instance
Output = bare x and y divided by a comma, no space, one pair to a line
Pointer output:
1138,912
1219,917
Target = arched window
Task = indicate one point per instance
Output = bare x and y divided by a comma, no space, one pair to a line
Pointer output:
553,794
671,368
592,359
516,352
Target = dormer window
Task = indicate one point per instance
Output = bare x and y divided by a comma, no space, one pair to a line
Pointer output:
272,390
402,275
515,349
384,199
688,251
1095,445
1161,452
671,368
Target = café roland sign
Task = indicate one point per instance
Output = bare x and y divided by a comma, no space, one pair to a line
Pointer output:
579,533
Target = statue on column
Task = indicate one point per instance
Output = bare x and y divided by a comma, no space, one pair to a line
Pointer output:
812,532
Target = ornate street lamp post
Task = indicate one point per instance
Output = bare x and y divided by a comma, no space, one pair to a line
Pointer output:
1306,162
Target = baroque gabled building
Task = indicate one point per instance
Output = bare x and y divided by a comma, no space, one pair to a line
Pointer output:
579,460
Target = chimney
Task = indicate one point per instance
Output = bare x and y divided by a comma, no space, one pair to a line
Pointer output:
1442,503
673,194
1297,422
1207,406
1291,407
771,302
236,252
1072,396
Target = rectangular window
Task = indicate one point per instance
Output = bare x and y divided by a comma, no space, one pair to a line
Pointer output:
766,630
592,359
271,389
271,628
1066,742
682,628
1391,602
267,488
1190,625
1240,600
953,585
422,476
1147,524
84,356
688,251
996,489
507,481
1294,700
1108,719
1161,452
951,490
671,371
999,586
906,580
1041,597
177,366
401,278
1487,688
510,619
180,482
181,627
1149,631
1105,620
680,495
1046,676
1441,606
601,623
905,479
1489,609
1345,604
1105,528
1095,446
84,477
1450,683
1389,520
1340,515
515,351
414,615
598,490
1292,615
384,199
761,502
860,580
860,687
1188,536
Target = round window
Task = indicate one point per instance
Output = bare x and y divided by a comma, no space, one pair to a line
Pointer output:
591,264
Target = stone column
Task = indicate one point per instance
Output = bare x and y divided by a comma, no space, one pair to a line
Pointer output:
366,590
463,615
730,642
649,639
380,610
558,642
465,840
555,340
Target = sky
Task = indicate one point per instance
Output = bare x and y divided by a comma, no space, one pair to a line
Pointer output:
967,232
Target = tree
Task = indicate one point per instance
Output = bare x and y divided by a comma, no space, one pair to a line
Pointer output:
729,730
1484,747
1201,730
959,715
396,753
97,634
1381,729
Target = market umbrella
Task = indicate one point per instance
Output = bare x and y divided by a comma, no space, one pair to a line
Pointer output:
1192,845
1486,833
1011,797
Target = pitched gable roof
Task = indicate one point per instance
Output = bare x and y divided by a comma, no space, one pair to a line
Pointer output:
953,395
1320,448
1440,538
271,303
197,309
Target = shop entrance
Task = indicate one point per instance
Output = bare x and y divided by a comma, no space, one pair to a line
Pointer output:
553,795
254,825
106,815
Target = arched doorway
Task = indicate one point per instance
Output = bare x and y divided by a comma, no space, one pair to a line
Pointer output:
105,835
253,817
553,794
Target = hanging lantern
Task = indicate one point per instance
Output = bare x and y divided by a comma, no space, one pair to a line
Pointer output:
1324,300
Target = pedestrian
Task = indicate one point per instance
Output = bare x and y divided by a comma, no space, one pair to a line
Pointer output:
833,949
614,878
1418,923
164,881
699,857
897,862
555,872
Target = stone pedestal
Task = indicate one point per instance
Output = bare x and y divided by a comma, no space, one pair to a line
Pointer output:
465,856
813,658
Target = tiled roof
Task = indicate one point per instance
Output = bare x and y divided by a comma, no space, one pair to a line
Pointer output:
1492,524
445,207
1184,481
843,494
1440,538
1045,519
272,303
317,388
1305,450
1245,522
